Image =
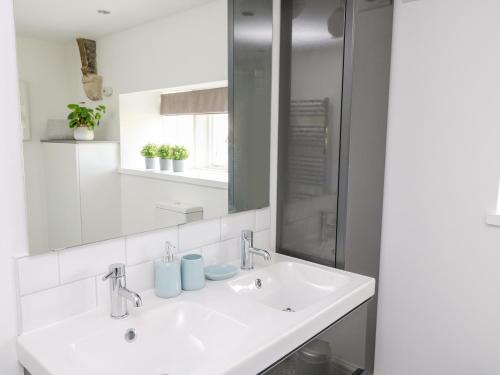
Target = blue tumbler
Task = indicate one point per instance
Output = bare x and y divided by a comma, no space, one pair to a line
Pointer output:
192,272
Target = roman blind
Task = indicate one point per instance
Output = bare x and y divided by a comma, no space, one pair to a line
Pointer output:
196,102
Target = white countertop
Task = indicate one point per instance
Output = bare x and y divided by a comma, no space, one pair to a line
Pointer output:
268,335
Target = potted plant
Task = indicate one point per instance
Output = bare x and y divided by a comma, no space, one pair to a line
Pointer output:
83,120
179,154
165,155
149,151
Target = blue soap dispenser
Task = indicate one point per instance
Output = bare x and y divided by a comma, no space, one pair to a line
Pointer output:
168,274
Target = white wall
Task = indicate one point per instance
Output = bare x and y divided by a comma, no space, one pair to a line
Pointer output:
13,232
140,123
439,288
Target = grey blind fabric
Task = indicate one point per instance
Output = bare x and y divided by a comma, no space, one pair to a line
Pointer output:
195,102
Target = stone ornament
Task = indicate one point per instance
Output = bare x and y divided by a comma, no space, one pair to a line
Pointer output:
92,82
92,85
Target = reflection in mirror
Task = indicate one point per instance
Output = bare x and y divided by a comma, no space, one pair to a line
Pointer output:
310,127
250,78
194,117
144,142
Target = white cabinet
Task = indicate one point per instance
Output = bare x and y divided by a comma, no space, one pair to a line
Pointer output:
83,192
63,195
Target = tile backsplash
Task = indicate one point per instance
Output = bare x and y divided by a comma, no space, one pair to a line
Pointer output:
60,284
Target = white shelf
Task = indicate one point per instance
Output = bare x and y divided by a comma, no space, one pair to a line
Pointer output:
213,179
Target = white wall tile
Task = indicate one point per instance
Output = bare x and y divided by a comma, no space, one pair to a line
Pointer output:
42,308
262,239
262,219
140,277
38,272
90,260
149,246
211,254
221,252
232,225
230,249
81,268
201,233
102,289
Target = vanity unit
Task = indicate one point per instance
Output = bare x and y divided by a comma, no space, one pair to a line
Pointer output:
240,326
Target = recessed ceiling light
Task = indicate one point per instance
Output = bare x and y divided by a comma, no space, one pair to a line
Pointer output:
103,11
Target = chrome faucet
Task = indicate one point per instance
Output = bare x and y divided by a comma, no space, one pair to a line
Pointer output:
119,292
248,251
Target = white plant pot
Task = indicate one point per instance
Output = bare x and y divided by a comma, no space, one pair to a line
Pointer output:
178,165
83,134
165,164
150,163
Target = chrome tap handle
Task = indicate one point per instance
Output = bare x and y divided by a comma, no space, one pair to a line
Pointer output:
247,235
115,270
107,276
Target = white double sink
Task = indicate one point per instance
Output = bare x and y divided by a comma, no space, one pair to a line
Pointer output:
238,326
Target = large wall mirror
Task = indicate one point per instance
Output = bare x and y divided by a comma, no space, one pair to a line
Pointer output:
141,115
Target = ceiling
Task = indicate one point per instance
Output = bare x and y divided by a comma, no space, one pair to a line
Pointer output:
68,19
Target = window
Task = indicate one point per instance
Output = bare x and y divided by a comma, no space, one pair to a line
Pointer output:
217,141
205,136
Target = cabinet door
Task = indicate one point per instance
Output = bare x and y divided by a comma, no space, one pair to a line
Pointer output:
338,350
63,195
100,191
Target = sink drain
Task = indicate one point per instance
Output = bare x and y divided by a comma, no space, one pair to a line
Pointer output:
130,335
288,309
258,283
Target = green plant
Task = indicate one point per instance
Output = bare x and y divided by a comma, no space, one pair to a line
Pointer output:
149,150
164,152
179,152
81,116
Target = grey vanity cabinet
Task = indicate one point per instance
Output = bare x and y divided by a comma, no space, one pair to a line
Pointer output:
328,353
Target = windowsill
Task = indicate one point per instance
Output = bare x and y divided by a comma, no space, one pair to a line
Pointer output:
203,177
72,141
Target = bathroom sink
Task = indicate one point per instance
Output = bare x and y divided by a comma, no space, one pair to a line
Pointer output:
175,339
239,326
288,286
